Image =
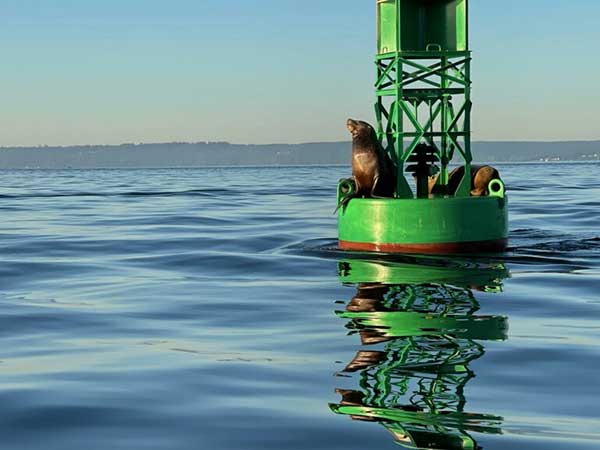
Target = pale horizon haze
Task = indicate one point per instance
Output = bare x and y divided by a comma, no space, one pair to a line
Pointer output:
111,72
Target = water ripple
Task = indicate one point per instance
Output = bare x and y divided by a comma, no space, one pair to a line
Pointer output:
174,309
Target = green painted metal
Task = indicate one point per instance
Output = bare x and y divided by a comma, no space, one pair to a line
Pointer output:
424,221
423,84
417,25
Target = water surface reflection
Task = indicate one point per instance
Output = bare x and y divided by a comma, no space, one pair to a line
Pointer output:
419,331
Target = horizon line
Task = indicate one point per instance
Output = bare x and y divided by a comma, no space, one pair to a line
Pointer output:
201,142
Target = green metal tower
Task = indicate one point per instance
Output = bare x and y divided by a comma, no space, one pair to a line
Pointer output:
423,85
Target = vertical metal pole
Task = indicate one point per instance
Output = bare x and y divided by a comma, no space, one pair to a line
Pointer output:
467,123
378,102
464,188
399,129
398,118
444,119
469,107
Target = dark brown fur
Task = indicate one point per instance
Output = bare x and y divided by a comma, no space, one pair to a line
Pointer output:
480,180
370,170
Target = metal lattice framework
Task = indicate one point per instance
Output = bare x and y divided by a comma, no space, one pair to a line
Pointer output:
425,97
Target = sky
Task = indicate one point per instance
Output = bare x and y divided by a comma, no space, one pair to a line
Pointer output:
265,71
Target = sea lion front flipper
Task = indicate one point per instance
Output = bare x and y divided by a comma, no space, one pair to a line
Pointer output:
375,182
343,203
383,186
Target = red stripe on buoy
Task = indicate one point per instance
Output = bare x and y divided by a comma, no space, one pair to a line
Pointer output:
494,246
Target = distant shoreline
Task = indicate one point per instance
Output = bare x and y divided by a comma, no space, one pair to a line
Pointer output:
222,154
500,163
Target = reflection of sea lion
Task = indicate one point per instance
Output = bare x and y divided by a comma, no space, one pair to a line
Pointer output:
480,180
365,359
370,168
368,298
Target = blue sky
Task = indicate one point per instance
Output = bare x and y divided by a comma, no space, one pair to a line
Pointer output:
263,71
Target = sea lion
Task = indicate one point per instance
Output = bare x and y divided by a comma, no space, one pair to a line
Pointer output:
370,169
480,180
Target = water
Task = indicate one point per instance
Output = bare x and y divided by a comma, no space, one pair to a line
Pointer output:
178,309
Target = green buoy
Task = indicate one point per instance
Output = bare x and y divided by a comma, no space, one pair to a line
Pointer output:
423,100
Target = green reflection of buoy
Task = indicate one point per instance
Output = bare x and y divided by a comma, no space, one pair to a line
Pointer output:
485,276
422,310
421,337
398,324
421,430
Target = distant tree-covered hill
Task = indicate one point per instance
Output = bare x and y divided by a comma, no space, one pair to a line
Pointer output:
224,154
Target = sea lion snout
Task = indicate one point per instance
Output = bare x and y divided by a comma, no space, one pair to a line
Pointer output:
352,126
359,128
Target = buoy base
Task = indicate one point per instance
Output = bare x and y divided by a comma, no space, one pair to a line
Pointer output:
450,225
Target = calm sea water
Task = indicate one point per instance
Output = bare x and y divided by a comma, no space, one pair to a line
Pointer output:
209,309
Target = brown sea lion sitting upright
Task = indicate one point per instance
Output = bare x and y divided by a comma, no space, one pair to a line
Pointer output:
480,180
370,168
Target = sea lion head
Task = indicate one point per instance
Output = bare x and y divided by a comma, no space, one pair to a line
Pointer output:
360,129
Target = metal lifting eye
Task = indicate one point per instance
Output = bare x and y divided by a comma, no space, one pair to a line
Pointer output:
496,188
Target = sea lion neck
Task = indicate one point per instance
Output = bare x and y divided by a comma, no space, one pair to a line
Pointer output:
364,143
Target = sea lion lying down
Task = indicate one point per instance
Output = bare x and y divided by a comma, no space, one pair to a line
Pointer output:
480,180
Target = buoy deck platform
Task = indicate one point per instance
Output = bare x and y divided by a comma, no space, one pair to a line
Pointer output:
444,225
